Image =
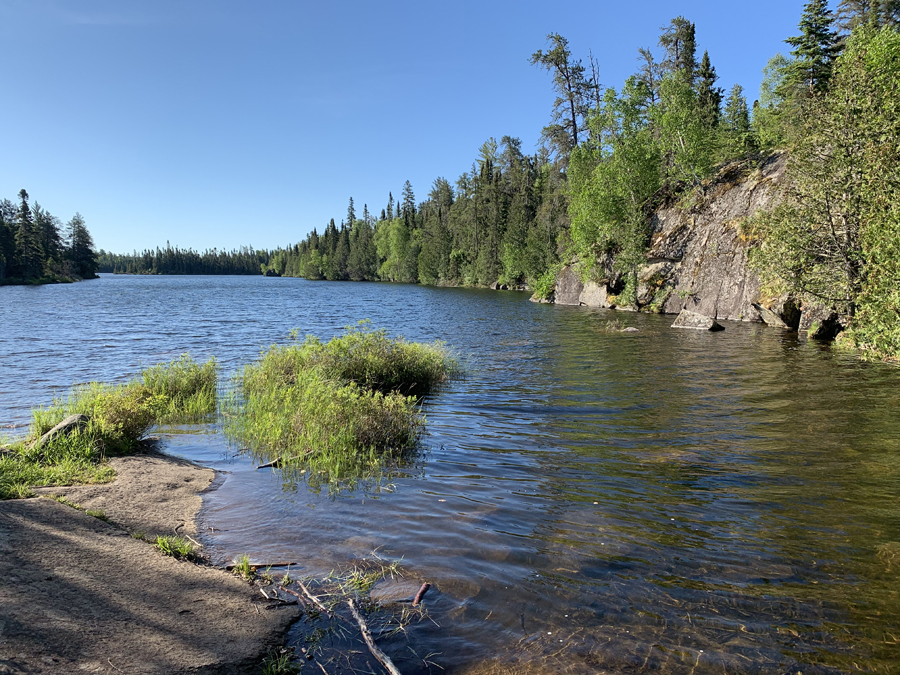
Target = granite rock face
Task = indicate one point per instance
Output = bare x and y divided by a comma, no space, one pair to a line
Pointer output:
698,255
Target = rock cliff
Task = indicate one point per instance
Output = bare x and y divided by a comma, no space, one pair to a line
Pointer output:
697,258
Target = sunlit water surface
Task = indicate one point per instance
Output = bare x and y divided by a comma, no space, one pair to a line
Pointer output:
585,500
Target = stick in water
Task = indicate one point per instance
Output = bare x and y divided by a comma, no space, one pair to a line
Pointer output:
370,641
421,594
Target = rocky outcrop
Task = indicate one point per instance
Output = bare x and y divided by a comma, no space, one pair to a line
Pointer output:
697,258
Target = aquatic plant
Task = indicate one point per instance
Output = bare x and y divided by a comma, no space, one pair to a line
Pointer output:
336,411
188,387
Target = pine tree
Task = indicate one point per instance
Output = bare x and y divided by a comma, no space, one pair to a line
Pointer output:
680,42
80,248
737,134
709,96
351,213
28,243
854,13
573,94
815,48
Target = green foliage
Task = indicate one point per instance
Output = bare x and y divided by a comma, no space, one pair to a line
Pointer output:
118,418
834,239
176,547
613,179
278,662
243,568
33,251
188,387
815,49
339,410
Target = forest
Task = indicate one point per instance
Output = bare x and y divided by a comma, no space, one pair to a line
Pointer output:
610,156
36,248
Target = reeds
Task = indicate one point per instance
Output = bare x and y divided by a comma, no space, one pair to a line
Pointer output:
337,411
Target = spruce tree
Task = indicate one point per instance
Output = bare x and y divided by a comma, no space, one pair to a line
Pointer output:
709,96
815,49
737,134
854,13
28,243
679,39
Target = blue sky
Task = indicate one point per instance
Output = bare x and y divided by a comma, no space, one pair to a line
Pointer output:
216,123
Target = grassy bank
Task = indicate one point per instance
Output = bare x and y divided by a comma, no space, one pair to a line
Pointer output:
337,411
116,419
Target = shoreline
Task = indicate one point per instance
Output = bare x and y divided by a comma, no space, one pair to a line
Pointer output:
80,594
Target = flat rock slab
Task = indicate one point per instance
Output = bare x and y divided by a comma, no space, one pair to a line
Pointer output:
78,595
152,494
391,591
692,320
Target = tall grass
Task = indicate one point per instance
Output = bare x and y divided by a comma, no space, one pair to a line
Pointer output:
189,388
374,361
338,411
119,417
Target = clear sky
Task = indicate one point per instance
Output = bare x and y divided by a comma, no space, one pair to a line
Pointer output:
217,123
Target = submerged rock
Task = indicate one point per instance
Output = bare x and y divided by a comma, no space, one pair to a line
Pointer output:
64,428
689,319
393,591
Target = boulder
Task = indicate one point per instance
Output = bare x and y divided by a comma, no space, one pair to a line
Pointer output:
819,323
64,428
594,295
689,319
568,287
769,317
630,329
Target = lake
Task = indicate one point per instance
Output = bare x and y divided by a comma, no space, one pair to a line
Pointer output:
585,500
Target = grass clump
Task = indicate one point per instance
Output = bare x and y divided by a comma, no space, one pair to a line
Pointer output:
341,410
118,418
373,361
176,547
278,662
243,568
189,388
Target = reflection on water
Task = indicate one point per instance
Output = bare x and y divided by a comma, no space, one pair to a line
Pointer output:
587,501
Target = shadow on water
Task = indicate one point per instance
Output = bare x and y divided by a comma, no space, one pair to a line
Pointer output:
588,501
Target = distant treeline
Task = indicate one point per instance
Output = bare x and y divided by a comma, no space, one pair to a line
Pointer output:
36,248
169,260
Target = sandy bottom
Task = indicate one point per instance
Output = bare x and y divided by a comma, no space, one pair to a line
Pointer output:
79,595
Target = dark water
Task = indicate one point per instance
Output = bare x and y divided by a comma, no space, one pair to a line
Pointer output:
587,501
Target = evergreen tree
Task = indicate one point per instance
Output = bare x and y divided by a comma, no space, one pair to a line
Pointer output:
680,42
737,134
709,96
80,248
573,94
815,49
351,213
28,243
854,13
650,74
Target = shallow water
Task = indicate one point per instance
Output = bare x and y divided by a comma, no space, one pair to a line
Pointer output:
586,500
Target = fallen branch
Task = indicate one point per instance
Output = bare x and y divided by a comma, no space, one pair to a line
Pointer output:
314,599
421,594
370,641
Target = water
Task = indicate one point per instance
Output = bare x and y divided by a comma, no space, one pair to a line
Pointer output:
586,501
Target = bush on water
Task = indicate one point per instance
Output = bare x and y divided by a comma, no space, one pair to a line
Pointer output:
342,410
118,418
